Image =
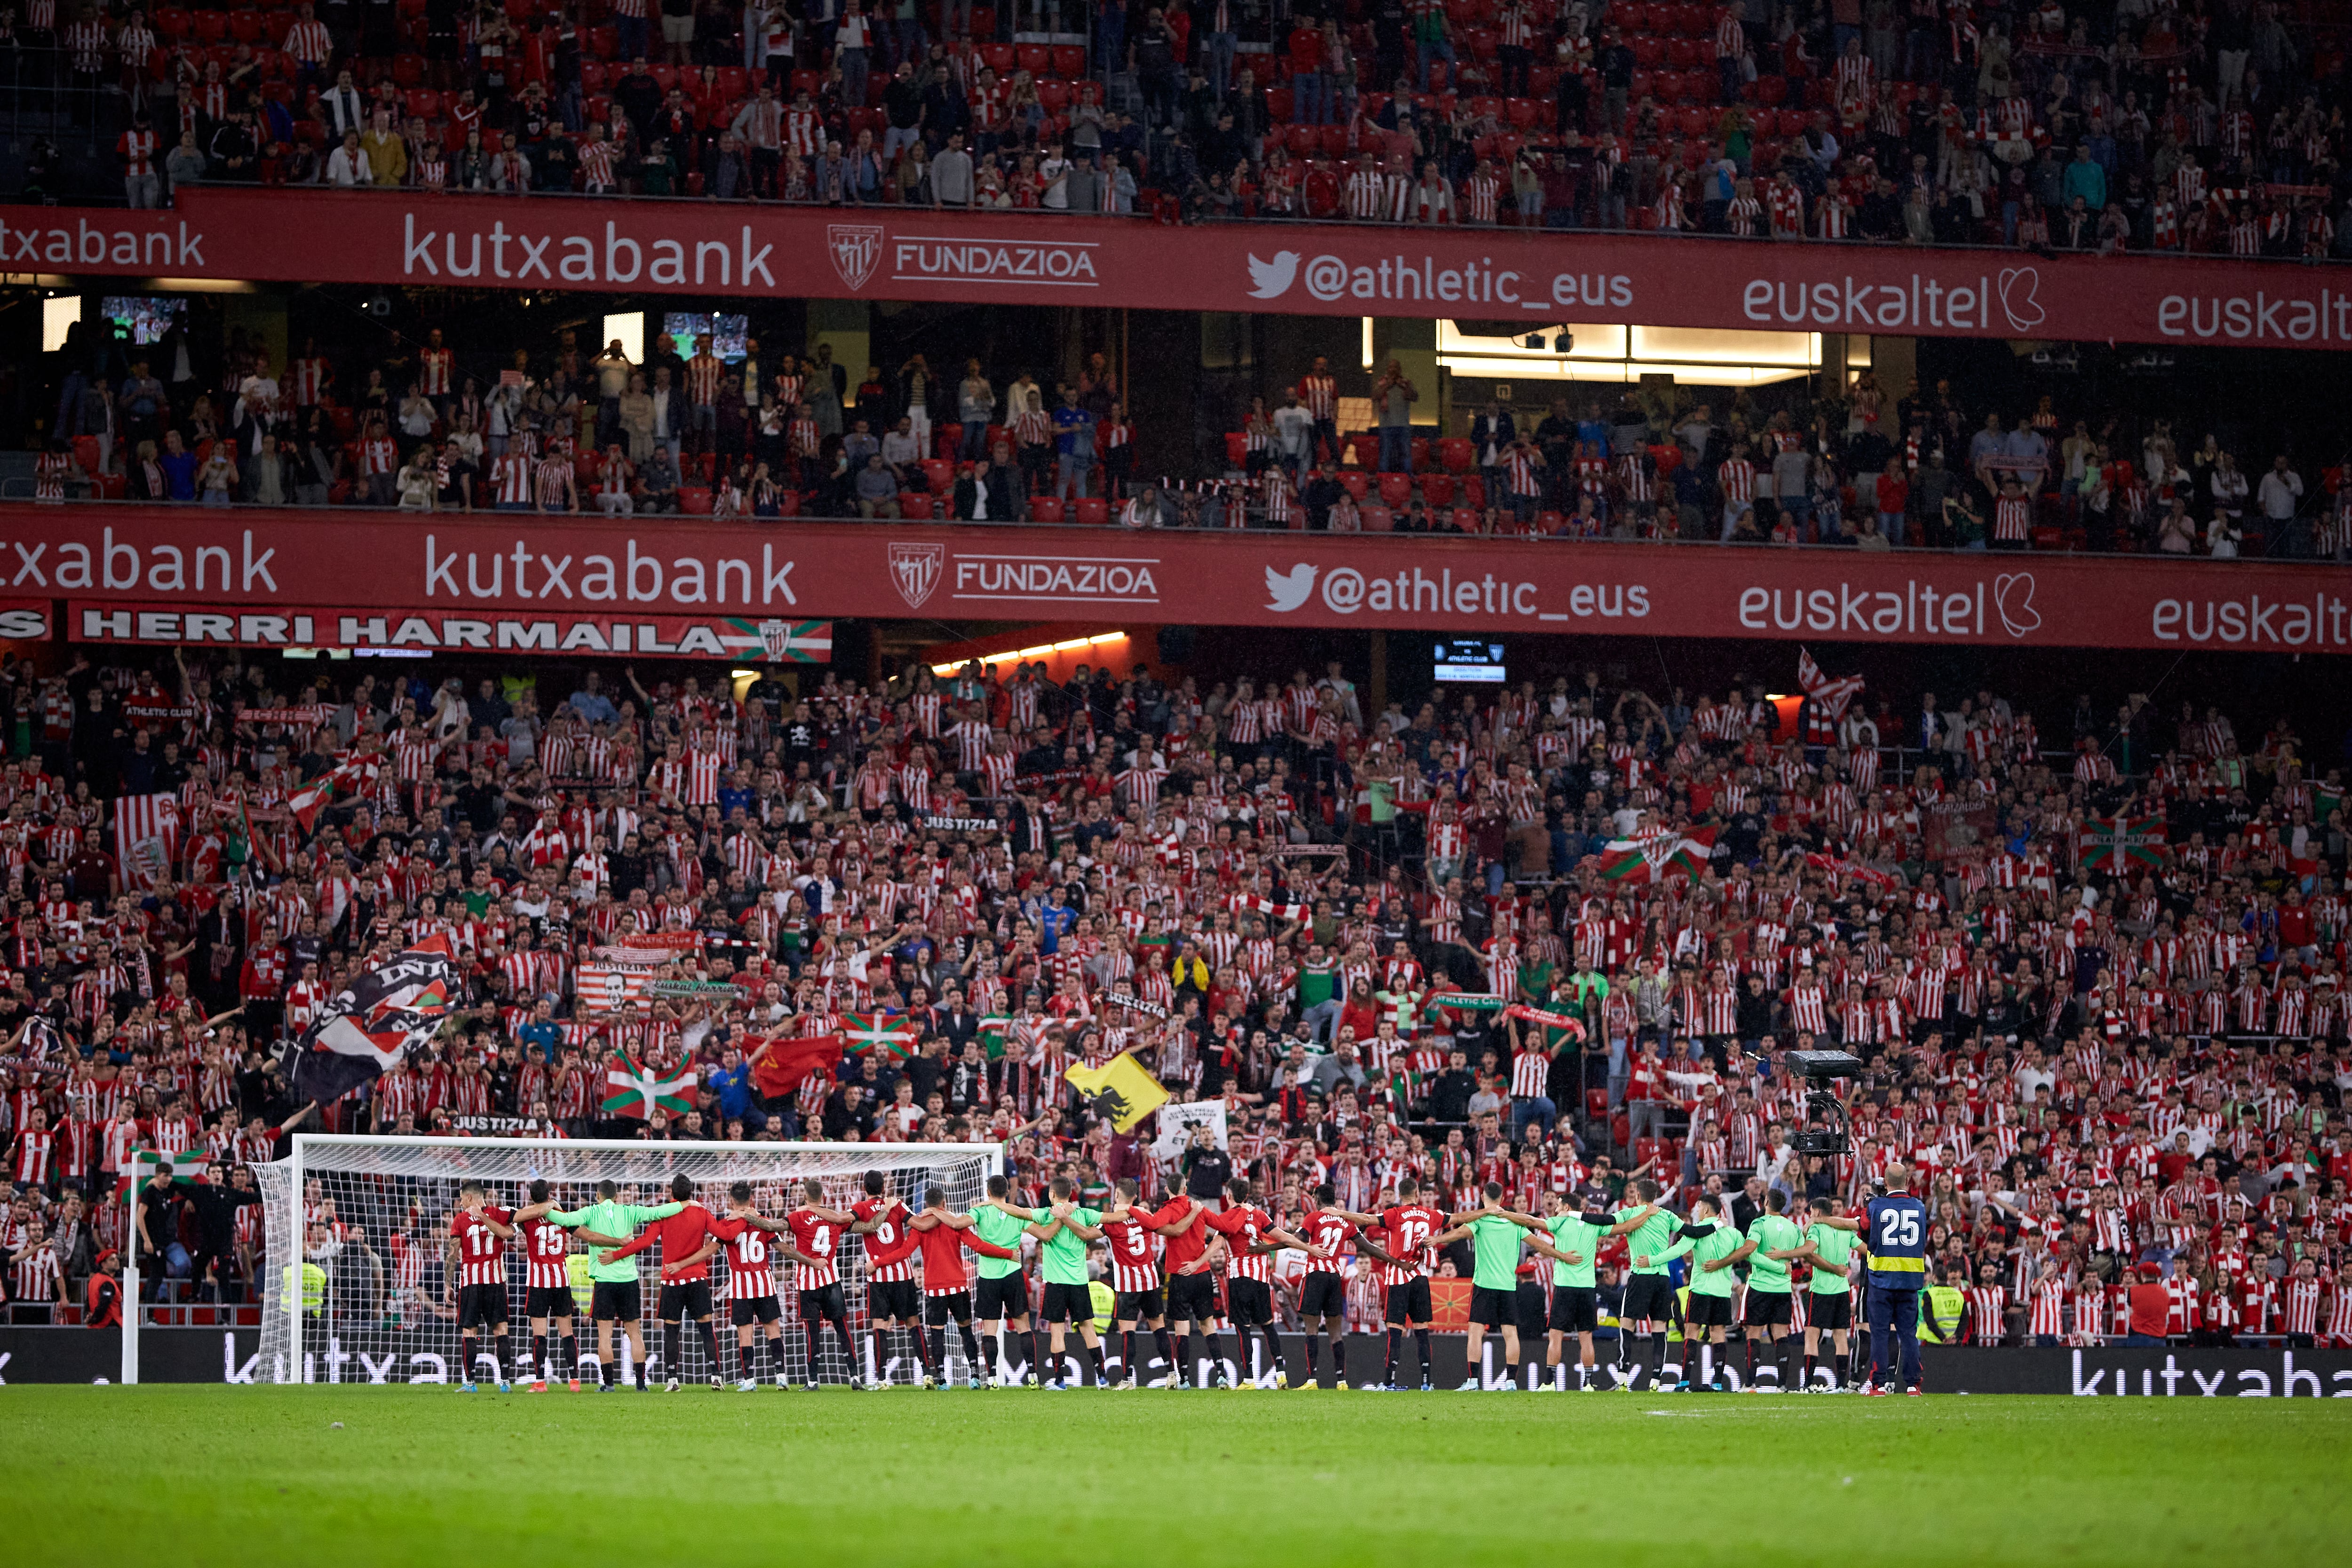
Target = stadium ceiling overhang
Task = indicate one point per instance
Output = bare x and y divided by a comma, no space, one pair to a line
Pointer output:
738,249
524,582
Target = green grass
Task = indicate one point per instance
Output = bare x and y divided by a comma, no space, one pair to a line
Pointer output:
260,1475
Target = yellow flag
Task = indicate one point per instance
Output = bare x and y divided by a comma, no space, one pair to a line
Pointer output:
1120,1089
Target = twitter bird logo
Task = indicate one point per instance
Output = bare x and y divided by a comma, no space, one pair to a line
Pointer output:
1287,592
1272,279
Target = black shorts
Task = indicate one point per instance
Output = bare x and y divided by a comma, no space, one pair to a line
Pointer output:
1829,1310
1005,1296
745,1311
1066,1304
1767,1309
549,1301
479,1304
1140,1306
1252,1300
1323,1294
1530,1298
1408,1302
939,1309
1191,1297
616,1301
1648,1296
1707,1311
1493,1309
900,1300
824,1302
686,1299
1573,1310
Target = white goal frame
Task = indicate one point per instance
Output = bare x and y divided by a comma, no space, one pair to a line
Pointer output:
798,1158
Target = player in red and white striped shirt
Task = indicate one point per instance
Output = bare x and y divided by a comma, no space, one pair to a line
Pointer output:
891,1299
478,1234
2012,517
1252,1234
548,1300
751,1239
816,1233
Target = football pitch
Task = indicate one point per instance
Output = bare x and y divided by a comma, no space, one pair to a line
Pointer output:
211,1474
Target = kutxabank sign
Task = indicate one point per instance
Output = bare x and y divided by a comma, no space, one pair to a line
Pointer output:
130,573
893,253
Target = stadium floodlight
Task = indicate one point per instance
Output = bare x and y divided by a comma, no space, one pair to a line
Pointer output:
352,1271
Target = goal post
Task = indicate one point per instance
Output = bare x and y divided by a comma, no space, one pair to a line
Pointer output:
353,1279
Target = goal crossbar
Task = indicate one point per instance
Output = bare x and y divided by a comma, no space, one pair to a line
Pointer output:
515,1160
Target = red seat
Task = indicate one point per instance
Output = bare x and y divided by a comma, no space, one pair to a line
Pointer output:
1523,112
175,23
983,22
997,57
1335,140
1466,520
949,440
1035,59
1378,519
1419,453
1437,489
665,75
591,75
1236,449
408,71
1472,490
939,474
1306,140
1457,454
1069,61
605,41
245,27
914,507
694,501
1053,95
423,104
1280,104
211,27
1596,1102
734,82
1396,489
1046,508
1093,511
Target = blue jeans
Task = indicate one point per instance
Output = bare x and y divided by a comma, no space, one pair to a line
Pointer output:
852,64
1219,48
631,33
1890,523
1322,1019
1396,448
1536,1108
1306,98
1895,1312
1424,52
974,445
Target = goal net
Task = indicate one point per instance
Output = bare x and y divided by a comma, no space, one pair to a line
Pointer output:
361,1285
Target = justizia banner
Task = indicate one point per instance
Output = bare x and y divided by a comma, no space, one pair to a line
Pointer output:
744,589
721,249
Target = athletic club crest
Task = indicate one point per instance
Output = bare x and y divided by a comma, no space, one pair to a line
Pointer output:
776,638
856,246
915,568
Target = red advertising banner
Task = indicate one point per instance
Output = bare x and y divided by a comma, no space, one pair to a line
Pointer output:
164,574
24,620
735,638
893,253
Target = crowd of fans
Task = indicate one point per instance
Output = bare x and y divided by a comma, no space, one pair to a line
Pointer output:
440,425
1557,938
2212,126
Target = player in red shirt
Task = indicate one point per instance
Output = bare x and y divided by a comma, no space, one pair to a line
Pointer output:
478,1234
942,1236
547,1288
817,1232
1406,1226
748,1237
1324,1292
1189,1262
1252,1236
687,1249
893,1299
1127,1232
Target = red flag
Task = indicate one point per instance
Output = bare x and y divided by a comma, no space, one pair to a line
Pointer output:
785,1064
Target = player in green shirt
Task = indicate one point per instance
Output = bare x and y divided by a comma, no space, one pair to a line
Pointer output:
1062,1264
1494,1234
1830,1305
1572,1241
1650,1304
1772,1240
615,1298
1712,1248
1003,1298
